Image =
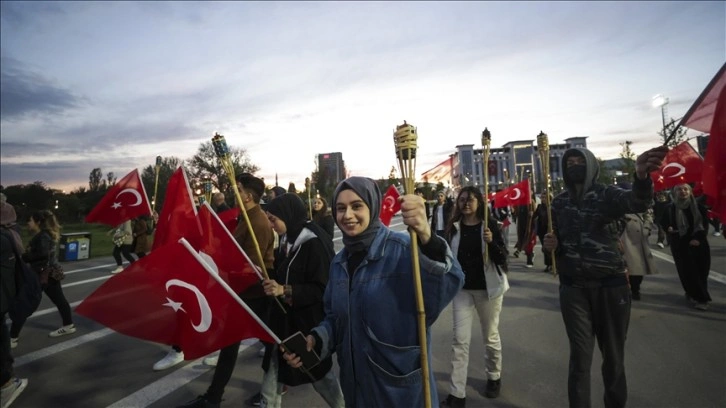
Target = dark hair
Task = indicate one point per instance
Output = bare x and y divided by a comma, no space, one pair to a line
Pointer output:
456,214
418,190
47,222
319,215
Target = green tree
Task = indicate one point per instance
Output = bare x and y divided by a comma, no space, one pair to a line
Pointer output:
206,164
94,179
678,137
110,179
628,157
605,175
148,178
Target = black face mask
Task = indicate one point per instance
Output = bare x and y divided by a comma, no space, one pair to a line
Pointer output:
576,173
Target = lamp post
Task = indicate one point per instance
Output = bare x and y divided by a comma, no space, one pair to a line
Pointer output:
660,101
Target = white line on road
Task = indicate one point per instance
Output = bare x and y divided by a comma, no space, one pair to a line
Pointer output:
49,351
170,383
718,277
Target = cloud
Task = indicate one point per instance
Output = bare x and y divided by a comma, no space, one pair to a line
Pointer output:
26,93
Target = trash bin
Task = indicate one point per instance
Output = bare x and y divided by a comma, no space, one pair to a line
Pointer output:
84,248
74,246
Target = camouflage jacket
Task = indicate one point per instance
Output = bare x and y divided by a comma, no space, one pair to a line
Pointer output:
588,228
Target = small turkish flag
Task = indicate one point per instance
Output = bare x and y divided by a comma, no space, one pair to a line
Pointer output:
125,200
390,205
517,194
173,296
681,165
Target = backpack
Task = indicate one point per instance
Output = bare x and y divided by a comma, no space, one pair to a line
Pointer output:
29,291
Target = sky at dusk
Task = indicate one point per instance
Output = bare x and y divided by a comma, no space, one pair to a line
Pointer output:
115,84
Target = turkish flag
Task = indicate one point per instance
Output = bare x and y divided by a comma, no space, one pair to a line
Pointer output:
229,218
178,217
172,296
681,165
714,176
232,263
389,205
517,194
125,200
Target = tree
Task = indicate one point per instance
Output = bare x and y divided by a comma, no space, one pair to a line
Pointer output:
678,137
605,176
628,157
110,179
206,164
94,179
148,178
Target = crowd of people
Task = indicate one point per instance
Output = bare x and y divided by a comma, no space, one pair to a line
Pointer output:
598,244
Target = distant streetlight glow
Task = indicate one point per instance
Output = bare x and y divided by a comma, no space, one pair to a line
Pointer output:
660,101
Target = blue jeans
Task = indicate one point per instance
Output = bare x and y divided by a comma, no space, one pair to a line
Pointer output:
328,387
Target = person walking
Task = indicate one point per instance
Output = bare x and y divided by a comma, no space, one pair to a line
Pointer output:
123,239
251,190
441,213
686,223
483,292
141,242
42,256
594,295
10,281
636,251
370,314
300,280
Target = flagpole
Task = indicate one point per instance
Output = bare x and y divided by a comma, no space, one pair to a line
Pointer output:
222,151
543,145
405,141
486,139
157,167
310,202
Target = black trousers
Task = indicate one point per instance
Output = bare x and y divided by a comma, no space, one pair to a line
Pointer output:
635,281
222,372
126,251
601,313
54,291
693,264
6,358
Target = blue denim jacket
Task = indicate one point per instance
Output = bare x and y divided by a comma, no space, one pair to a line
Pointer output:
372,323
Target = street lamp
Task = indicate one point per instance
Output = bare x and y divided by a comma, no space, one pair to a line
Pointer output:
660,101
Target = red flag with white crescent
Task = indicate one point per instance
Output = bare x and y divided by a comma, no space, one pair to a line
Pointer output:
389,205
517,194
682,164
125,200
172,296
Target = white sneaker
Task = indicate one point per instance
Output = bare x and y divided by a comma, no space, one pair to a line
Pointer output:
211,361
13,342
10,391
70,329
118,269
716,234
660,245
261,353
170,360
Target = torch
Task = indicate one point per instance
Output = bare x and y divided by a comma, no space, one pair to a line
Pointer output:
310,202
222,151
157,167
486,140
208,189
404,139
543,145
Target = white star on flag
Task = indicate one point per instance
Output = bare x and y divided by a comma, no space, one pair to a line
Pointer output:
116,206
174,305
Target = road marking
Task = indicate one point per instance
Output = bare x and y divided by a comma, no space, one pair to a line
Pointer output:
57,348
718,277
89,268
171,382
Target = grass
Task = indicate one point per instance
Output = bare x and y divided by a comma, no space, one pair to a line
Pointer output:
101,243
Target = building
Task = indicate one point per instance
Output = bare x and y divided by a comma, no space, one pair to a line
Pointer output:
331,169
509,164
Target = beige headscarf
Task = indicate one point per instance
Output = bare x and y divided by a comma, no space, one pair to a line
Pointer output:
684,204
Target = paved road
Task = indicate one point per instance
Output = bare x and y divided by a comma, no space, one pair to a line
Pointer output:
675,357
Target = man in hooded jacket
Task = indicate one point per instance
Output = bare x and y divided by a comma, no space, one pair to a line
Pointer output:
594,294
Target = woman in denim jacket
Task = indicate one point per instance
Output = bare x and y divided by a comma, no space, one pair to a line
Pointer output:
370,308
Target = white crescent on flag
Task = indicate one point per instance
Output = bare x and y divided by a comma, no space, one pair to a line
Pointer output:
680,167
206,311
389,202
519,194
132,191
